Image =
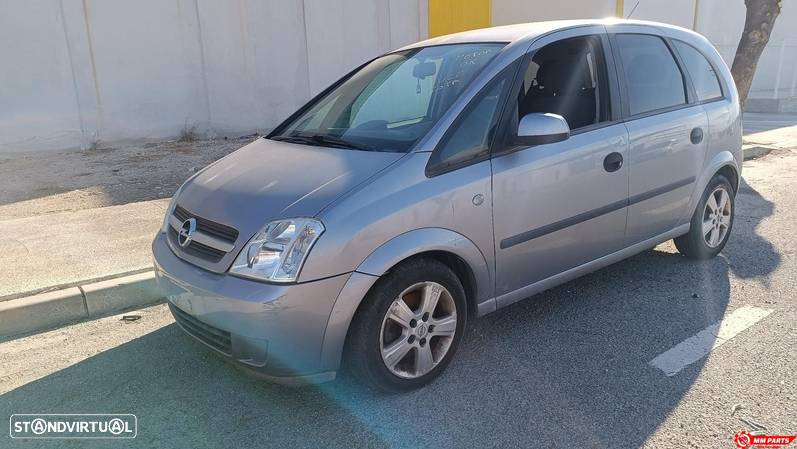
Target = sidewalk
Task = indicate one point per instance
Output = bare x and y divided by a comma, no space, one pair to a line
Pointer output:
76,226
771,130
67,247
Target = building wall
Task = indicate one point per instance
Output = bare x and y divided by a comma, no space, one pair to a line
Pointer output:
676,12
721,21
452,16
506,12
79,71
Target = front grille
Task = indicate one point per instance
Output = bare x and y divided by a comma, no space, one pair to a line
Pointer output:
214,337
199,250
218,230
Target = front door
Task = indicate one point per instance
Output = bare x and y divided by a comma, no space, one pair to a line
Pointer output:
559,205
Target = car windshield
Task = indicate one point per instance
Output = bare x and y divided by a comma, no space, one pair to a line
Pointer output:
391,102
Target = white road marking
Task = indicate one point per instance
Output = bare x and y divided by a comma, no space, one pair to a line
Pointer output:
701,344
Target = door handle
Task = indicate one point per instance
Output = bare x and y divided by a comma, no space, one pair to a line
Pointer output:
613,162
696,136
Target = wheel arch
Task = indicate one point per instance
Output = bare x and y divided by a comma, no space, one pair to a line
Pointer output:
723,163
448,247
461,268
730,172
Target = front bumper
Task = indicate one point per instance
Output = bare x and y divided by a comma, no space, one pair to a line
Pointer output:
275,330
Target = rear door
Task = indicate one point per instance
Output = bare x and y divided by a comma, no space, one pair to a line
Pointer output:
666,131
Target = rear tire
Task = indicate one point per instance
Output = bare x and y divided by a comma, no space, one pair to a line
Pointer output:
711,223
408,327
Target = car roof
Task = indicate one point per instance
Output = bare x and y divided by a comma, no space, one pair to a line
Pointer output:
530,31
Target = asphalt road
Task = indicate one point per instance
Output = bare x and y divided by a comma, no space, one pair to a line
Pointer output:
568,368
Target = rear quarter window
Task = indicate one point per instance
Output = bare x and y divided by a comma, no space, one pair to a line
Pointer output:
704,78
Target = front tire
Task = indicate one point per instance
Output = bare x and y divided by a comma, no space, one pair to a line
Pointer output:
408,327
711,223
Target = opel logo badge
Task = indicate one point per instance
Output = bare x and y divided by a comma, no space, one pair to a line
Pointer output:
186,232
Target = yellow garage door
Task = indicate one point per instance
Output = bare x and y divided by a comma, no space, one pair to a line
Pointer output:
451,16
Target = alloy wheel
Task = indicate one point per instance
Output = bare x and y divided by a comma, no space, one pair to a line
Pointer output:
418,329
716,217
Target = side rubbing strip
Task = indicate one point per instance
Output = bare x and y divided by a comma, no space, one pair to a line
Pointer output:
559,225
660,191
589,215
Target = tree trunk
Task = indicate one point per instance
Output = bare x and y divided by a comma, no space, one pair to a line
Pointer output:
758,23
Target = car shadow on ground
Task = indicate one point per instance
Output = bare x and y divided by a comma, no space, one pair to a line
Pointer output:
749,254
567,368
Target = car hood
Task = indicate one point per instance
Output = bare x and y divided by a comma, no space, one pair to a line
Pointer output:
267,179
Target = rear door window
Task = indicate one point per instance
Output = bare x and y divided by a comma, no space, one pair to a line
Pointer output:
653,79
707,85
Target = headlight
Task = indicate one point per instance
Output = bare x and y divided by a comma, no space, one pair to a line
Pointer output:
277,252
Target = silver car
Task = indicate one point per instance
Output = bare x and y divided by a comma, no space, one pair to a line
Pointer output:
447,179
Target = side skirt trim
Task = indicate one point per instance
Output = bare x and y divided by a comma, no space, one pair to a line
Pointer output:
575,272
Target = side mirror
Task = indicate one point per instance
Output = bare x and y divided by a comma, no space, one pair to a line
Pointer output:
537,129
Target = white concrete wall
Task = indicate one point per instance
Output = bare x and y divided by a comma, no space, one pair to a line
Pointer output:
506,12
78,71
721,21
676,12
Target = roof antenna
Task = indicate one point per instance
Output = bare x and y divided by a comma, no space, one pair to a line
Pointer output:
633,9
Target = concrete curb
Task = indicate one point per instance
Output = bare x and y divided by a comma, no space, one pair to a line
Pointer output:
753,151
55,308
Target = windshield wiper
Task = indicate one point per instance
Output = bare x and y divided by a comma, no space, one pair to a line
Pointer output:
326,139
295,139
322,140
